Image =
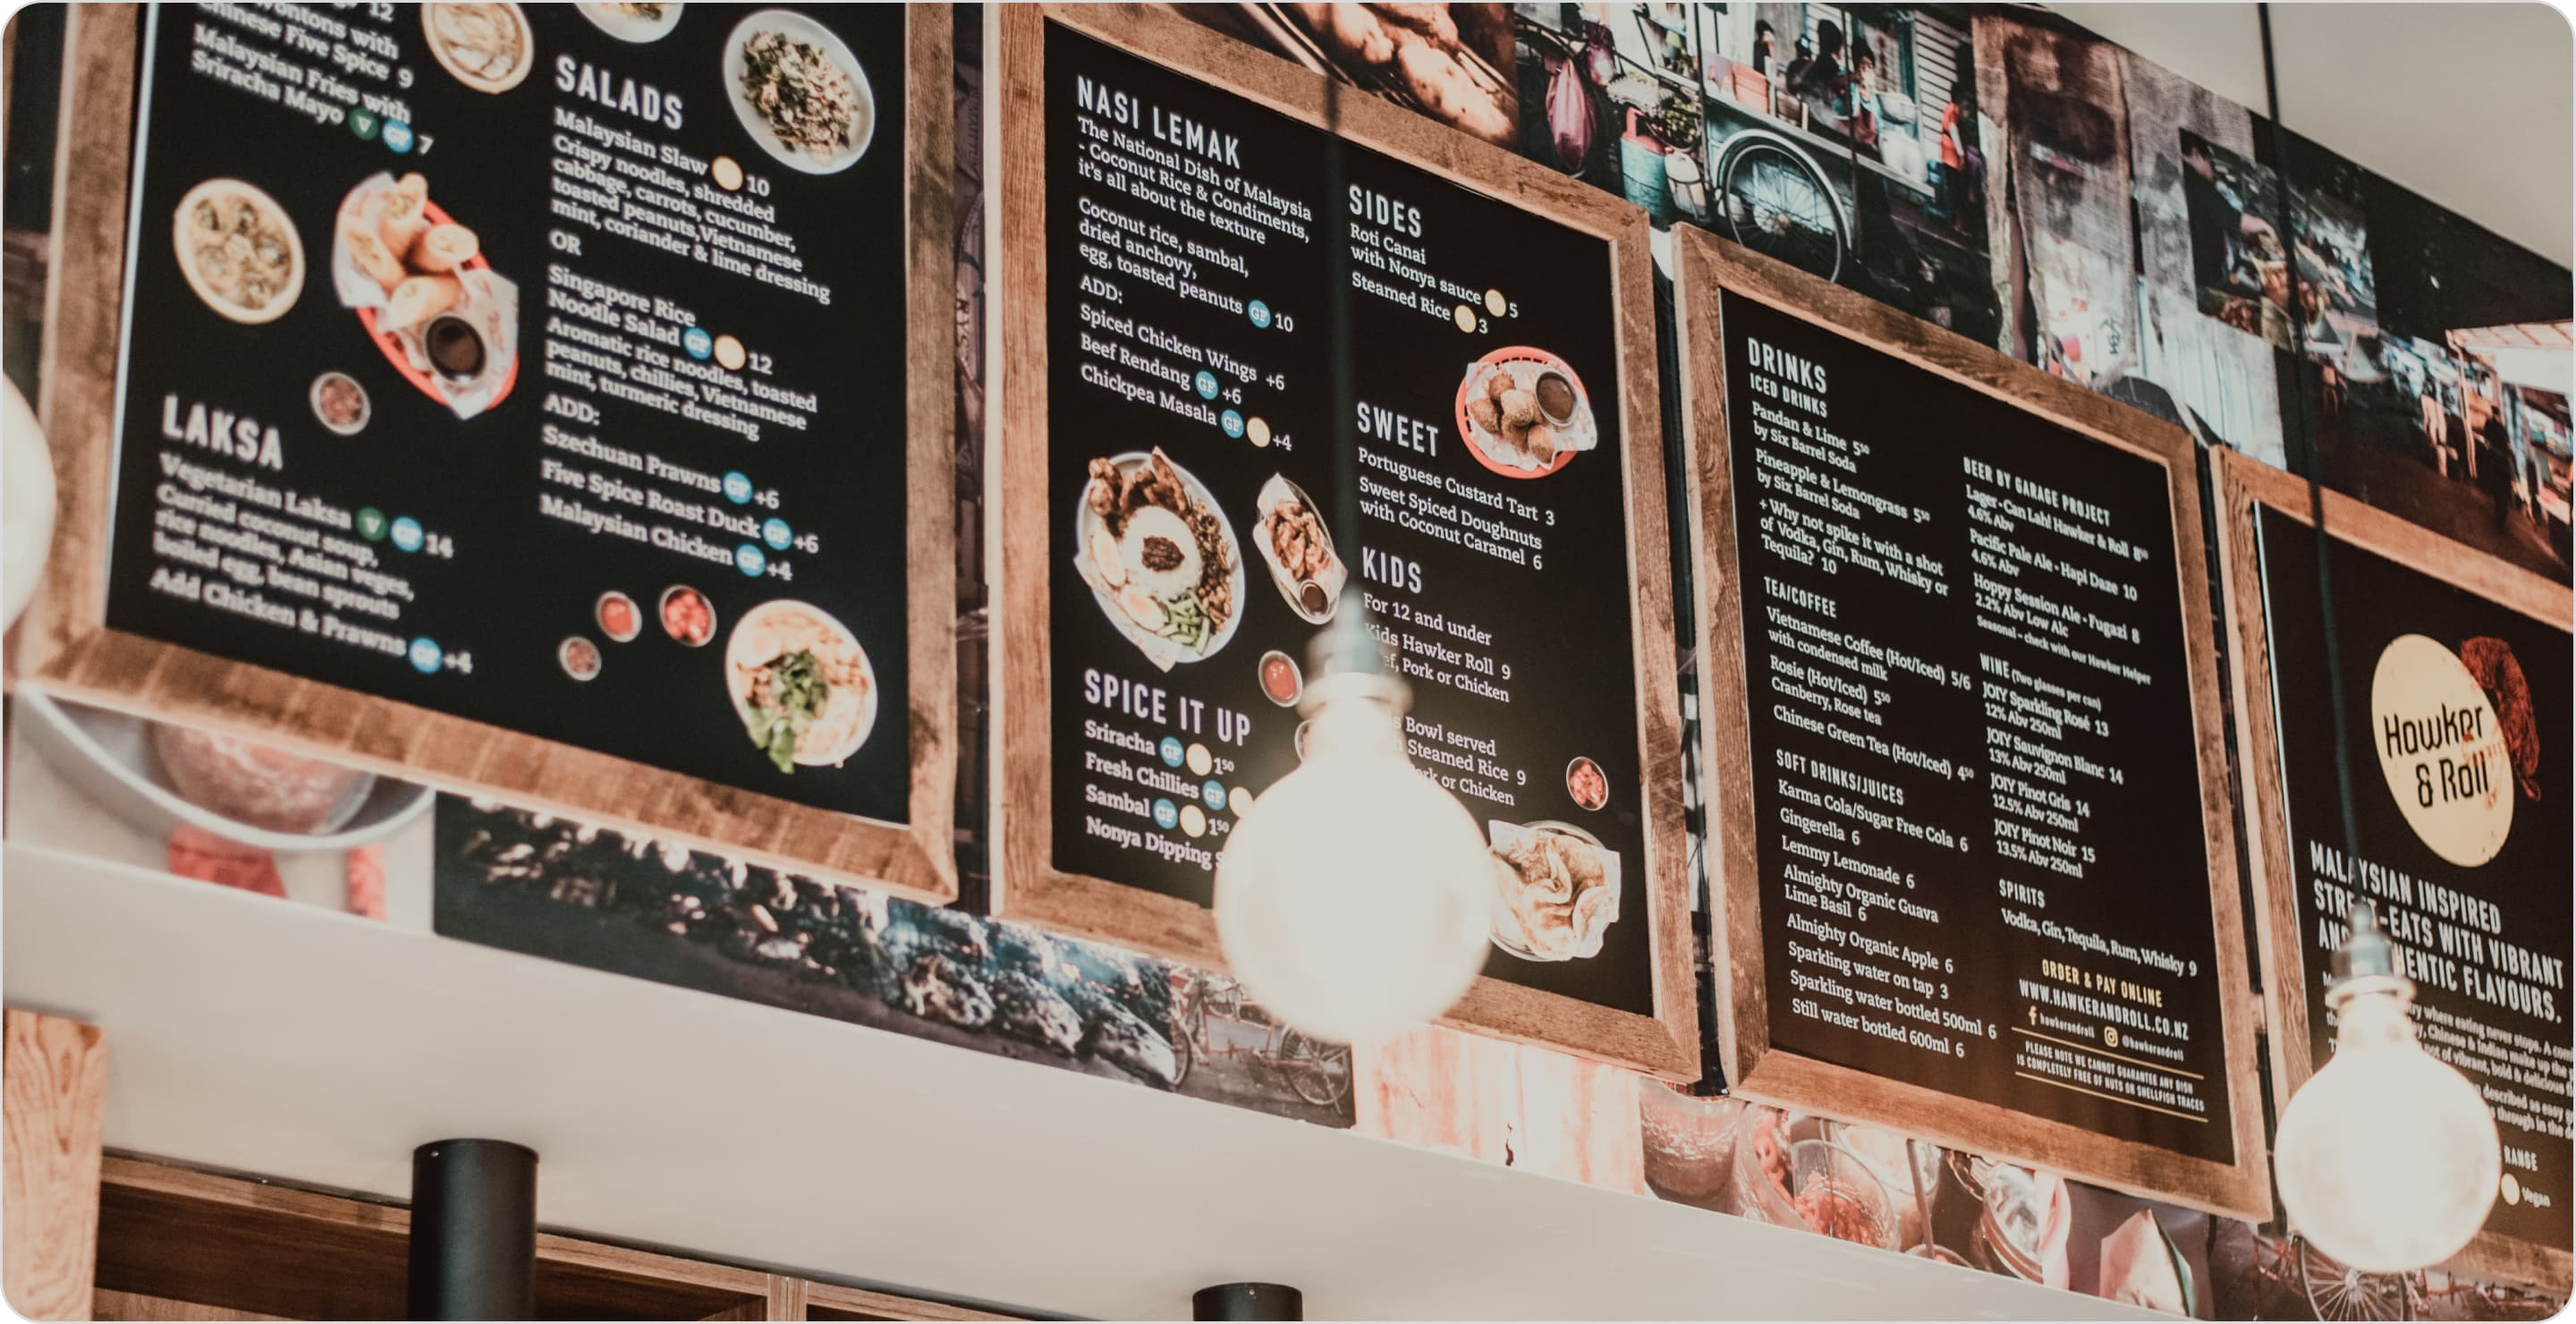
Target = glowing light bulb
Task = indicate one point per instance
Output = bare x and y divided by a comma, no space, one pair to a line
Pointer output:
1352,899
2388,1159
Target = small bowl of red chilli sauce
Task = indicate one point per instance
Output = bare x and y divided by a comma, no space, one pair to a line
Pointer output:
619,618
687,616
1281,682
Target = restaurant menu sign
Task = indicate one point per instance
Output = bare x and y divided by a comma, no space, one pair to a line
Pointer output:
2454,721
1193,545
539,365
1972,822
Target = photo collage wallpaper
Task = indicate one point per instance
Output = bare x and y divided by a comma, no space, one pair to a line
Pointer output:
2004,174
1989,169
1992,170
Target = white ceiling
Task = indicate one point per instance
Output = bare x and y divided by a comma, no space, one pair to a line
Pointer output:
2471,105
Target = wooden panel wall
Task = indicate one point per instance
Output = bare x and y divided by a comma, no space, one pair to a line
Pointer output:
53,1119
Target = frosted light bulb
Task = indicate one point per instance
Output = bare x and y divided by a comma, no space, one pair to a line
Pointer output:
2387,1158
1352,899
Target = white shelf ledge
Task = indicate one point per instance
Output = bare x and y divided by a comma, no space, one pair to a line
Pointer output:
286,1040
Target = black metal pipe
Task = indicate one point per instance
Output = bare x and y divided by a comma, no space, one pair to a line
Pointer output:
1248,1301
473,1231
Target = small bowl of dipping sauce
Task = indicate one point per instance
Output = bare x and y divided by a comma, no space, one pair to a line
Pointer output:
1281,681
619,618
454,347
1556,397
687,616
579,656
340,403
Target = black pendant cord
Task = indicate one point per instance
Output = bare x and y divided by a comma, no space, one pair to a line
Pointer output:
2307,447
1330,228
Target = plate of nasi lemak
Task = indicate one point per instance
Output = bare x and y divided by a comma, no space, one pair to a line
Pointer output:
1160,557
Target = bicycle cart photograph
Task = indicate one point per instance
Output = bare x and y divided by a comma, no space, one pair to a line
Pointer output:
1845,141
1224,1043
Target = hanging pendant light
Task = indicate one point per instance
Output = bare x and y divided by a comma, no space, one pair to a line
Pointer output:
1351,899
2388,1159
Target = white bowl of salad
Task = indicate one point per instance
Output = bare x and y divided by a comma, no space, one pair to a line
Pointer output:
799,91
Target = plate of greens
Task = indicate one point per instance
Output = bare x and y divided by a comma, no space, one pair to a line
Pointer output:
803,686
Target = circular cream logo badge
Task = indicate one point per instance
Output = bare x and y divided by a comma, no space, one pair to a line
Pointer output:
2442,750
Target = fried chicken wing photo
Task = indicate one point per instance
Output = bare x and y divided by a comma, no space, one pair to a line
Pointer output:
1452,63
1444,87
1429,20
1352,31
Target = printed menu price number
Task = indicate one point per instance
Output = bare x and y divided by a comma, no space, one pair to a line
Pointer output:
1162,369
2455,712
1948,611
481,364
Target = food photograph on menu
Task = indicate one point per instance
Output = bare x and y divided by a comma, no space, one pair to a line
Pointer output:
553,382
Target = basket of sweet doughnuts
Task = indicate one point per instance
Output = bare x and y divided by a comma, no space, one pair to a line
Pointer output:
1524,413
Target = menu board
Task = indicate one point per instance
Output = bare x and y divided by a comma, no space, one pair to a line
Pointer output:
1194,540
2453,722
1969,849
543,366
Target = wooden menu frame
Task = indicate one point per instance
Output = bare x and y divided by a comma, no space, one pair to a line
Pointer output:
2240,486
1704,266
1027,885
64,645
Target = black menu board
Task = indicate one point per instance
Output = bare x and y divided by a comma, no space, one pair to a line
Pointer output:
1970,849
546,366
2453,725
1194,540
